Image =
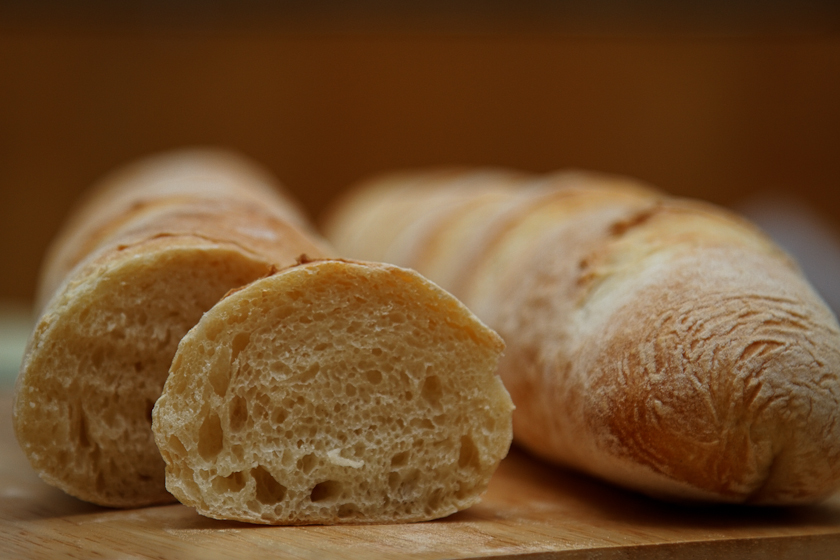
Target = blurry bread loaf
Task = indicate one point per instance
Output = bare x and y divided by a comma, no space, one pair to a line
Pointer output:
153,248
172,181
662,344
334,392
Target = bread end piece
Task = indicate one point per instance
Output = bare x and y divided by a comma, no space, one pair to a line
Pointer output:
334,392
98,358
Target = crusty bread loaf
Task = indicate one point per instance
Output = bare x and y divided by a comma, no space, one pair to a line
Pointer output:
131,273
661,344
334,392
174,180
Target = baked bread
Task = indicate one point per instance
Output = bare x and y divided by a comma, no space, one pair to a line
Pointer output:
131,273
165,181
334,392
662,344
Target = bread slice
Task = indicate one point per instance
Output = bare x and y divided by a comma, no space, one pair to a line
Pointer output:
133,286
99,357
334,392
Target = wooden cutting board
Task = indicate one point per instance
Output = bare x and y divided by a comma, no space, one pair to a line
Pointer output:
532,510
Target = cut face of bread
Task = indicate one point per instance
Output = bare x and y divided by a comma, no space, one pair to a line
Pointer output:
334,392
98,359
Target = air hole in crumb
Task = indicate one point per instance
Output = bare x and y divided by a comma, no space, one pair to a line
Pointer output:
422,423
245,371
219,376
347,510
176,446
307,463
234,482
464,490
210,437
268,490
240,341
310,373
469,456
436,498
374,376
410,481
376,351
138,367
350,390
489,424
432,390
396,317
327,490
279,416
238,413
212,331
399,459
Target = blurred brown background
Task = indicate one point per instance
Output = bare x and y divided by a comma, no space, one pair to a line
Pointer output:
714,100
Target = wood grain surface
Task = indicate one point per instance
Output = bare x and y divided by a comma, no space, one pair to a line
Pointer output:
531,510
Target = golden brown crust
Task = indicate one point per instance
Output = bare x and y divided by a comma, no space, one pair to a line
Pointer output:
665,345
157,184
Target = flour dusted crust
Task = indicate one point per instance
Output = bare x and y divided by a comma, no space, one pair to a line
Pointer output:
172,180
334,392
662,344
132,272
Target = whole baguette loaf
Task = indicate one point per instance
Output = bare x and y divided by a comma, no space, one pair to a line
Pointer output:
153,248
662,344
334,392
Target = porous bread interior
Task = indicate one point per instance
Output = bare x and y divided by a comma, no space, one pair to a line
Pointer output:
98,360
334,393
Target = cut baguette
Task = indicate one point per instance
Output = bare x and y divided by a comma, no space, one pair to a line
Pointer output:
334,392
661,344
131,273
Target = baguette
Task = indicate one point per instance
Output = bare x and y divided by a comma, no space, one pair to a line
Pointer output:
137,265
662,344
334,392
